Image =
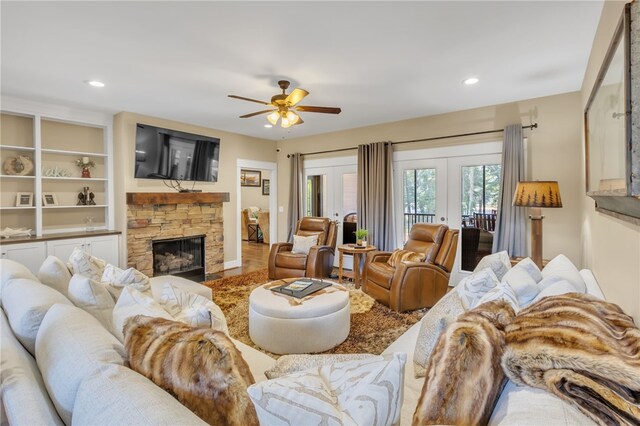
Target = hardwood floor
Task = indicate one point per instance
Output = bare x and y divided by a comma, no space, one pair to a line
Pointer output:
254,256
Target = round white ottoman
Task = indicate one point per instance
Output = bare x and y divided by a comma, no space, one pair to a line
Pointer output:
318,324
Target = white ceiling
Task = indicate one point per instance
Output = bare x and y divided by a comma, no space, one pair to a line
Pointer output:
378,61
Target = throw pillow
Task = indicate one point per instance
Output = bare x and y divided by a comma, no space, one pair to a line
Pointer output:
562,267
288,364
85,264
54,273
502,292
115,279
476,285
201,367
10,269
555,289
523,279
131,303
431,325
404,256
302,245
464,375
548,281
92,297
363,392
500,263
192,309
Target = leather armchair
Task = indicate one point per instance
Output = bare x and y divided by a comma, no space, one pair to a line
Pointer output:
317,264
413,285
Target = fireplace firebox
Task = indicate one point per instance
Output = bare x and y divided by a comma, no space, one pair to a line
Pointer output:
183,257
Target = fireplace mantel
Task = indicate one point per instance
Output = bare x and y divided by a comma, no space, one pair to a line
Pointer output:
160,198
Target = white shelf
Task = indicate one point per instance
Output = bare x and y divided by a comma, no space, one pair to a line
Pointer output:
18,208
16,177
73,178
17,148
74,207
79,153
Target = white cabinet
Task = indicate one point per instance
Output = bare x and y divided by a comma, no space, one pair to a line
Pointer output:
103,247
30,255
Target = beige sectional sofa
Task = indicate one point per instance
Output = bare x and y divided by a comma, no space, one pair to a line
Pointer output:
77,374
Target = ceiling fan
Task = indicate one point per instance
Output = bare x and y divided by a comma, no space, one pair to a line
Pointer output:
285,107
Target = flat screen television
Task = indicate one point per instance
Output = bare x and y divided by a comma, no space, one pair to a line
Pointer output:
174,155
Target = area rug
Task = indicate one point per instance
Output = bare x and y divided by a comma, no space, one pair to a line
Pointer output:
373,326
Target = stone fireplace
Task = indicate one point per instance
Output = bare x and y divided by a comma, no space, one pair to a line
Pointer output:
153,217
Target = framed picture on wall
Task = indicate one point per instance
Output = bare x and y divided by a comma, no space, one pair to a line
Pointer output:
250,177
24,199
266,187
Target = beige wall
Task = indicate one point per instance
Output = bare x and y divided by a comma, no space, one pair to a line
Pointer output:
611,248
553,153
252,195
232,147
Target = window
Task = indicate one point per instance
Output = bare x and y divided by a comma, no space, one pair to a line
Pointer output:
480,191
419,197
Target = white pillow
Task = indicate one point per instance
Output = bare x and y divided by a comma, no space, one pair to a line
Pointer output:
10,269
115,279
192,309
556,289
476,285
548,281
85,264
54,273
26,302
92,297
131,303
562,267
71,344
500,263
523,279
302,245
288,364
362,392
432,325
502,292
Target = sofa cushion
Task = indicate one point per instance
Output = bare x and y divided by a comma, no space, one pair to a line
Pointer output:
288,364
555,289
471,288
380,273
71,344
302,244
131,303
503,291
83,263
26,302
93,297
523,279
290,260
54,273
115,279
399,255
24,396
10,269
199,366
157,285
192,309
500,263
362,392
116,395
562,267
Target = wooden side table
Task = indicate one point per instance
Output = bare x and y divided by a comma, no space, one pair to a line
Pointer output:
356,252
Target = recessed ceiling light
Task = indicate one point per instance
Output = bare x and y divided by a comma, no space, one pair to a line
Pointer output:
470,81
268,126
95,83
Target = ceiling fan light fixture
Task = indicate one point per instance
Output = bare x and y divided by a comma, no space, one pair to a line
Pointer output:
285,123
292,117
273,117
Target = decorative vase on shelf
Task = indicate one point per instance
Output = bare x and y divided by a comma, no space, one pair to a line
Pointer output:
86,165
363,243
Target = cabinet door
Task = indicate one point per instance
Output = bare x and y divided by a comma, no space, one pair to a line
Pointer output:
105,248
62,249
30,255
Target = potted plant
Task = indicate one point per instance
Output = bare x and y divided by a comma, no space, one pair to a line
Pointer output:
361,236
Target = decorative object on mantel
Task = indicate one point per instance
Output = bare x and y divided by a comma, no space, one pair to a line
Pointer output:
20,232
537,194
86,198
86,165
18,166
24,199
56,172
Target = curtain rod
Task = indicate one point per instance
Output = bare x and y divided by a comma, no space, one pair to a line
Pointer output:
531,126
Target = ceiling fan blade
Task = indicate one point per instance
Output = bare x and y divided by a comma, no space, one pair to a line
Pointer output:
296,96
300,121
325,110
249,99
257,113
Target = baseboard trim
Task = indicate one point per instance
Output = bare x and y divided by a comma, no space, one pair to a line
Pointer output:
232,264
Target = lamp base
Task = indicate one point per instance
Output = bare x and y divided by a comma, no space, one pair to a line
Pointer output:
536,236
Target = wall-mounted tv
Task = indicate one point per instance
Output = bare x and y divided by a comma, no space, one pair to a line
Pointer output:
174,155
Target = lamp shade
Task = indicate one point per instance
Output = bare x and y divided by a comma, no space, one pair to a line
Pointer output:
539,193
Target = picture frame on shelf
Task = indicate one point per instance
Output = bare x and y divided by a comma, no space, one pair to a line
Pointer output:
266,187
250,177
24,199
49,199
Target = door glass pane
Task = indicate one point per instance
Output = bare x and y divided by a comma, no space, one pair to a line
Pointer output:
419,197
315,195
349,207
479,207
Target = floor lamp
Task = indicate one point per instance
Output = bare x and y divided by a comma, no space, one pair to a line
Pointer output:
537,194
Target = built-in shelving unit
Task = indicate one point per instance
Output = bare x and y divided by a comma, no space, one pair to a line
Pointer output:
53,137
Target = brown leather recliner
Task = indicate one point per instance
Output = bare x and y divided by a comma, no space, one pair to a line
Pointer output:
413,285
317,264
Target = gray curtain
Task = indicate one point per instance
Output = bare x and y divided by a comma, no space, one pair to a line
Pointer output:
510,230
375,194
296,203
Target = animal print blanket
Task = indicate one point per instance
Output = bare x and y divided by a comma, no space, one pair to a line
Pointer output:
581,349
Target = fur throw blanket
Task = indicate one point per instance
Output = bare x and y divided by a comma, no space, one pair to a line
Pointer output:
581,349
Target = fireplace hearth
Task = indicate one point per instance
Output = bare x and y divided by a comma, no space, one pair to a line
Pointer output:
179,256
